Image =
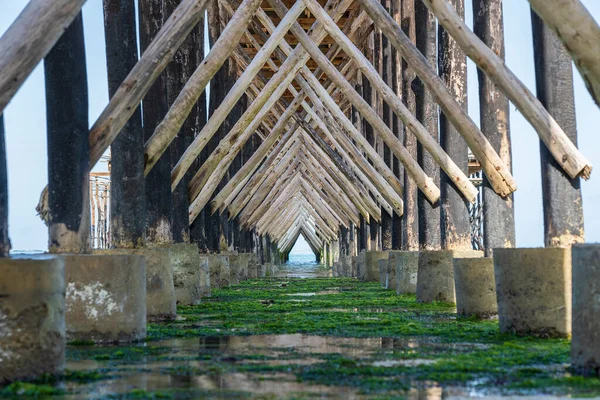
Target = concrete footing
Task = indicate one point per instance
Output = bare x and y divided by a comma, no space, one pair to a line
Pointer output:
382,264
106,297
534,291
269,269
205,290
337,269
585,344
346,266
390,272
234,268
475,287
253,268
32,317
406,264
435,275
243,260
368,270
361,265
185,260
220,273
262,271
354,267
160,289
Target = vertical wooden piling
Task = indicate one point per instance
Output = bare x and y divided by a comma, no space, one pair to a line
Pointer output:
179,70
498,212
398,126
368,94
128,196
427,114
197,121
68,145
159,204
216,226
452,66
387,220
563,208
410,238
4,239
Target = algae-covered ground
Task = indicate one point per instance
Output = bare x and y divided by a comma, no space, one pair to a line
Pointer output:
323,337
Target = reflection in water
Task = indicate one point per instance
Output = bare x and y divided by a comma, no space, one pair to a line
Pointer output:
200,364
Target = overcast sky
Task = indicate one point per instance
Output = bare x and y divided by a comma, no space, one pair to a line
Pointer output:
26,130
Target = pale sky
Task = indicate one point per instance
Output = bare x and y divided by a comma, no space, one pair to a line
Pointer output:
26,129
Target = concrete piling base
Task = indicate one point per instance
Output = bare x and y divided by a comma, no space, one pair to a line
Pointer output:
354,267
346,266
243,262
534,291
406,264
336,269
160,290
369,270
435,275
106,297
269,270
234,268
262,271
185,260
475,287
585,343
382,264
361,265
32,317
204,274
252,266
220,272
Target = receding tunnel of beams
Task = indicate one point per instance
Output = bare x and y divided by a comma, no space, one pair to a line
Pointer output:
314,170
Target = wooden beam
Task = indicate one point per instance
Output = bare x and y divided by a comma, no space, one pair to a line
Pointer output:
153,61
579,32
492,164
549,131
224,46
4,238
29,39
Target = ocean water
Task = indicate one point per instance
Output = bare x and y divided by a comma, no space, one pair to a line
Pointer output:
307,259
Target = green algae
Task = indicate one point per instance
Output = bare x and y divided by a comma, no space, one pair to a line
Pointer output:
417,346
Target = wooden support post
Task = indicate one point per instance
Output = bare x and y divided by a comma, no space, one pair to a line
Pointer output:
452,66
128,196
159,203
395,11
29,39
369,95
141,78
388,119
4,239
493,166
178,72
563,149
230,99
498,212
68,146
427,114
563,208
580,34
410,222
196,121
